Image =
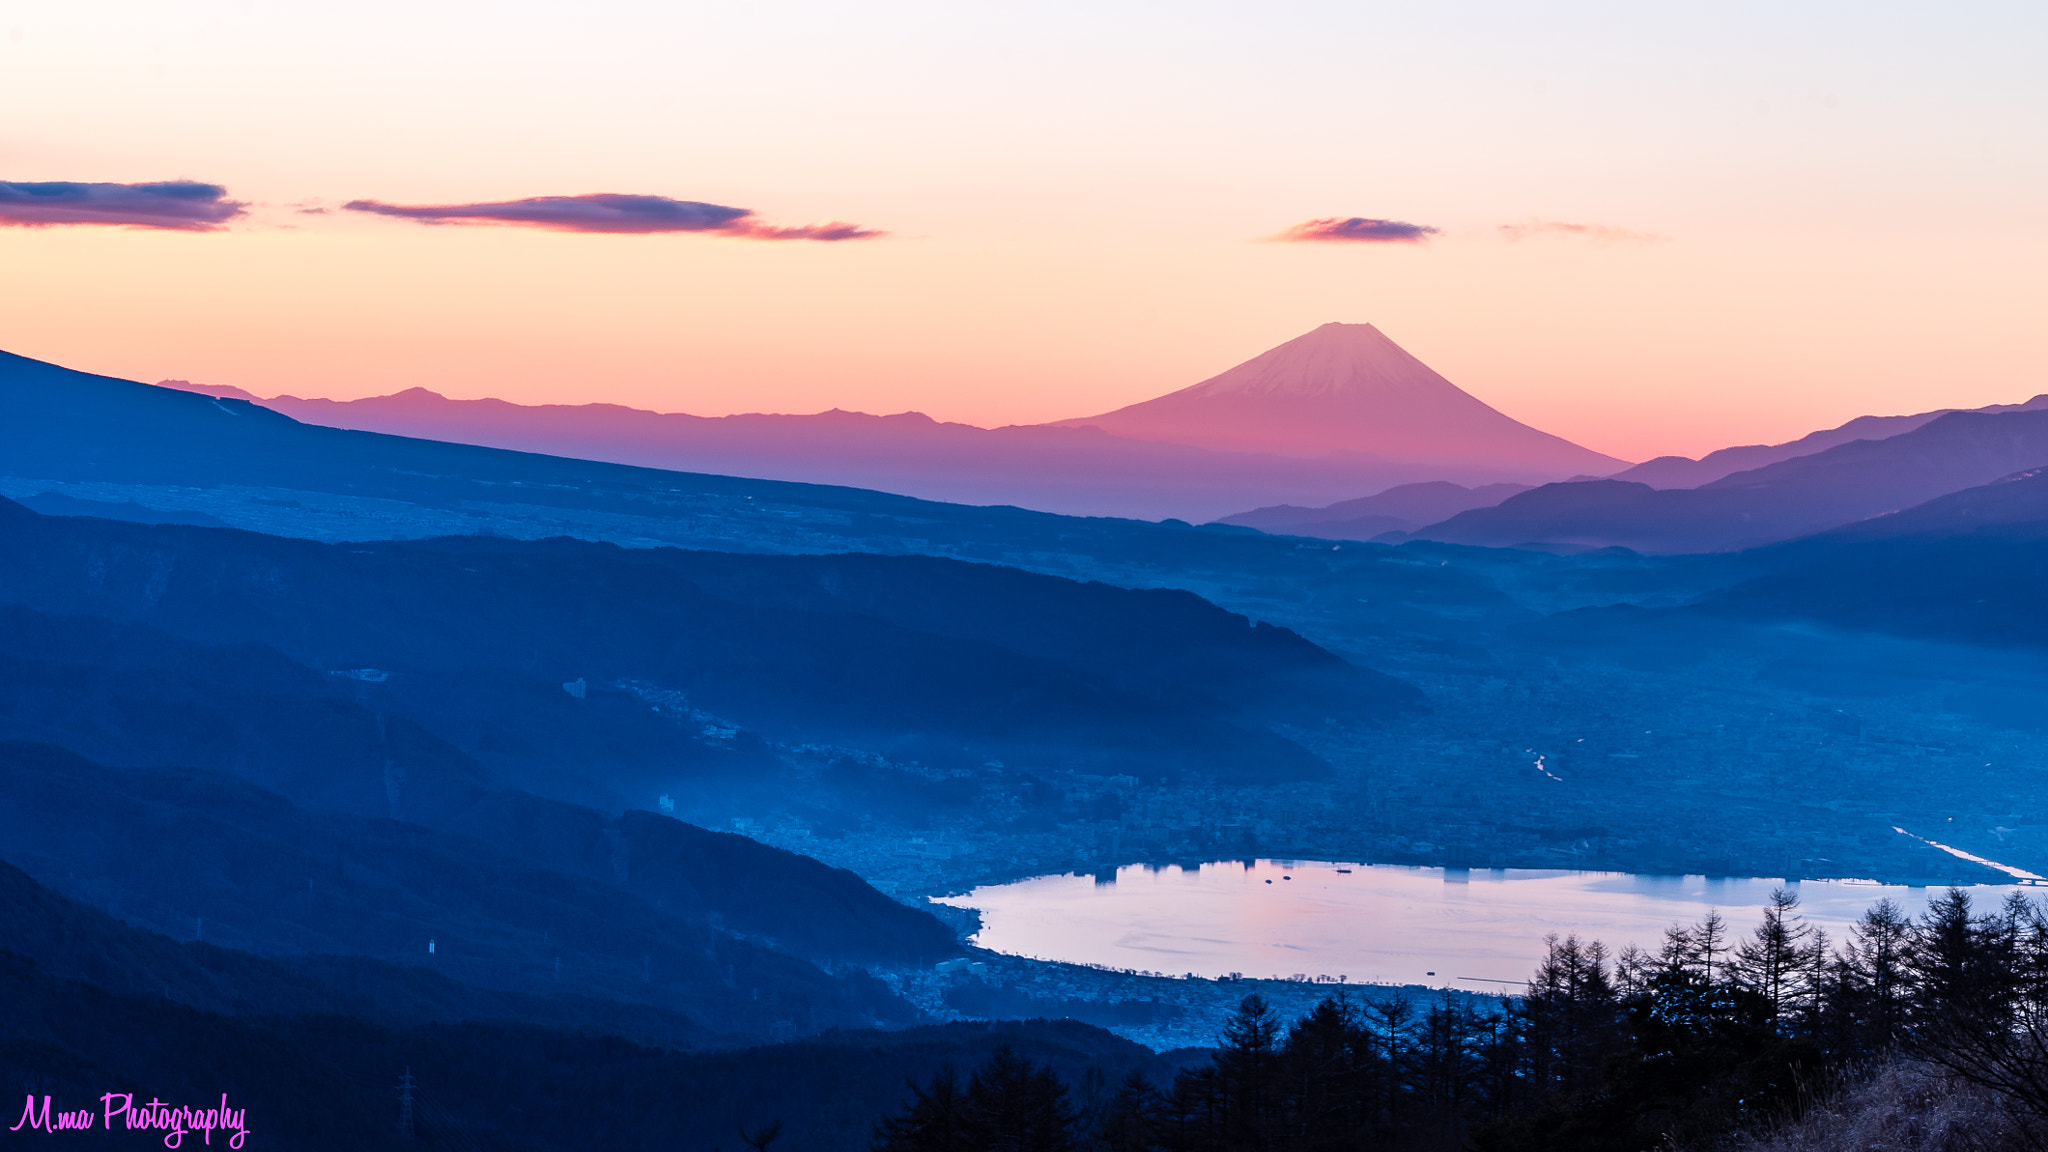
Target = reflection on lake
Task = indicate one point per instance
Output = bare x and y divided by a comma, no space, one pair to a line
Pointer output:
1378,923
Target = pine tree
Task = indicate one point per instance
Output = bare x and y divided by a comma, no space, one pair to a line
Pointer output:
1779,961
1389,1068
1569,1016
1321,1062
1189,1117
1877,982
1447,1064
937,1119
1949,960
1710,942
1248,1069
1977,1009
1128,1119
1014,1105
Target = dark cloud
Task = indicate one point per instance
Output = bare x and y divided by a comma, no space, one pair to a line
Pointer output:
180,204
1360,229
1597,232
615,213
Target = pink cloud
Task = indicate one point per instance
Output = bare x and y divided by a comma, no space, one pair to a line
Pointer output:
1602,233
1360,229
828,230
615,213
179,205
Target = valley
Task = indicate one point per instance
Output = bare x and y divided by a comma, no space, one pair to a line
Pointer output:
1721,772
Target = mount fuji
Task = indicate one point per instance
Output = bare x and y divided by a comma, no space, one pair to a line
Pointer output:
1347,388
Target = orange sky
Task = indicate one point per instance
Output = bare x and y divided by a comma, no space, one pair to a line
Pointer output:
1815,214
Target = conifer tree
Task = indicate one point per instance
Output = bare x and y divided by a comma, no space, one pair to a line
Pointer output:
937,1119
1877,983
1779,961
1128,1119
1949,959
1248,1068
1014,1105
1569,1015
1321,1064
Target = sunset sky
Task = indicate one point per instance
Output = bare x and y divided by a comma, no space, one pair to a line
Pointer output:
1648,228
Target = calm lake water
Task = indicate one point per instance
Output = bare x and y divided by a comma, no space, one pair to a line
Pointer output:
1476,929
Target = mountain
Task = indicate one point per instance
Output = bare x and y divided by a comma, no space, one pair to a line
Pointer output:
1963,568
1977,588
1404,424
127,693
1682,472
71,941
1347,388
200,855
1399,509
58,504
926,659
1807,494
2017,504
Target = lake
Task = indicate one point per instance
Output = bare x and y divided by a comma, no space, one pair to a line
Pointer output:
1477,929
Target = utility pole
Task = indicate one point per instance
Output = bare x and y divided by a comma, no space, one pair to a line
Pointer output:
405,1105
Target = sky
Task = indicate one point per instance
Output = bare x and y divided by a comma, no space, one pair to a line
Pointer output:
1651,229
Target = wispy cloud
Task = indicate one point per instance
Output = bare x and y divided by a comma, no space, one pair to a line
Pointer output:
615,213
1602,233
183,205
1360,229
826,230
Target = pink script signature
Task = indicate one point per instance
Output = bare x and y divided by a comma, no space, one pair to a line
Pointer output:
174,1121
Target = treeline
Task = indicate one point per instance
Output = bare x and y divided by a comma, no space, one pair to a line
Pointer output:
1707,1036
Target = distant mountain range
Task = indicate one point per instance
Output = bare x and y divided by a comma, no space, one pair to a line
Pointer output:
173,454
1399,509
1965,568
1336,411
1683,472
1323,417
1573,513
1849,482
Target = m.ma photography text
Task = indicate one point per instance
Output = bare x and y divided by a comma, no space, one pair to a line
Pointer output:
120,1112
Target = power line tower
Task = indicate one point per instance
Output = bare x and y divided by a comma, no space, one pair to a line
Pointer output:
405,1105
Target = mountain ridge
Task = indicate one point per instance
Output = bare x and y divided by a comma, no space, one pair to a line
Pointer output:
1403,508
1801,496
1070,467
1684,472
1006,662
